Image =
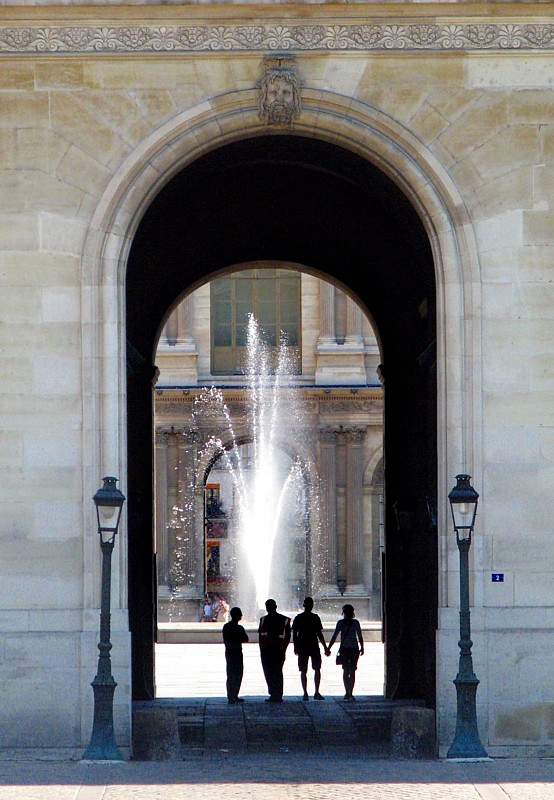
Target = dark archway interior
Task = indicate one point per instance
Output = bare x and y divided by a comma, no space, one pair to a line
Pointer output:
296,199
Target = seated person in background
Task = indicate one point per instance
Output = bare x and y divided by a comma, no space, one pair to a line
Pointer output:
216,607
206,615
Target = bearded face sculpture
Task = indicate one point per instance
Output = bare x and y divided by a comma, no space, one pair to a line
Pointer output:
279,92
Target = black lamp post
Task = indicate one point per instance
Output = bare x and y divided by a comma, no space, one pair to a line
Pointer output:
109,503
466,745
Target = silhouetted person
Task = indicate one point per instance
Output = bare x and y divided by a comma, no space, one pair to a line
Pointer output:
307,632
274,632
234,635
350,635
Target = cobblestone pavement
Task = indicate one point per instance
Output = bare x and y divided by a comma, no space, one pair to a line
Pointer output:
319,775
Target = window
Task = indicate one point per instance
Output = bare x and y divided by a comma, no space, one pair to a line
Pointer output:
273,296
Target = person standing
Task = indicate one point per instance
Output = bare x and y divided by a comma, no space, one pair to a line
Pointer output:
234,636
307,632
274,635
349,652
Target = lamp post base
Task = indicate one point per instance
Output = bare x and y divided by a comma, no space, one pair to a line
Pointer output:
102,745
469,760
467,744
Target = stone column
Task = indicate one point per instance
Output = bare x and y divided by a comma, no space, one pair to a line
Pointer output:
172,502
185,324
199,540
162,553
353,324
354,508
326,315
328,497
171,328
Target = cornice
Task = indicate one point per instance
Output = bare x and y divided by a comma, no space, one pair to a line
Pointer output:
158,31
176,12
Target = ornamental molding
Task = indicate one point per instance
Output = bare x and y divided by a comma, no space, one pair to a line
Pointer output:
386,36
172,407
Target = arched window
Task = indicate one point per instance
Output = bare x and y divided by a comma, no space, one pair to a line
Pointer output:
273,296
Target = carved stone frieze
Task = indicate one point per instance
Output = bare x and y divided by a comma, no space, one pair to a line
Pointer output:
164,408
279,91
350,406
389,35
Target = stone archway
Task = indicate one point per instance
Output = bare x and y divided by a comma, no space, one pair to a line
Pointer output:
349,123
326,117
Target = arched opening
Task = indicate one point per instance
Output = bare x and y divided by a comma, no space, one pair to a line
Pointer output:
305,201
309,393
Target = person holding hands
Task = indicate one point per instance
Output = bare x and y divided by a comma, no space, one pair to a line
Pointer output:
349,651
307,632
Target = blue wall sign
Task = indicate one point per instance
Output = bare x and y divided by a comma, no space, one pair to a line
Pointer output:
497,577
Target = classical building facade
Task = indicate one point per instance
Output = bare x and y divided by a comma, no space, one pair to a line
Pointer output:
332,371
405,153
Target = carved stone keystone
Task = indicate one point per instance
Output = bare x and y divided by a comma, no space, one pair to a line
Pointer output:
279,100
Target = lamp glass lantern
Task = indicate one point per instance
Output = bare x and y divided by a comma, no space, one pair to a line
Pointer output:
109,504
463,505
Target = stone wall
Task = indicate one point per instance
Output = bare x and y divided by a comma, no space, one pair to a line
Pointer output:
474,109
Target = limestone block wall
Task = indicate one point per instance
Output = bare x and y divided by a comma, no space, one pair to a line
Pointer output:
478,110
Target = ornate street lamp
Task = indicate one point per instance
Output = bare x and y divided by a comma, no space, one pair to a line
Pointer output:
466,745
109,504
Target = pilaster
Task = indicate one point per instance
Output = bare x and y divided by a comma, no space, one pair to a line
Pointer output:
185,563
328,491
354,508
162,554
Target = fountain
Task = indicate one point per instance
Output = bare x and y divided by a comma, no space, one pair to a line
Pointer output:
264,492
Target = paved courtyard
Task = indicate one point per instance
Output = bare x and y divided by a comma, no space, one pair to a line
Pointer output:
279,776
284,771
198,670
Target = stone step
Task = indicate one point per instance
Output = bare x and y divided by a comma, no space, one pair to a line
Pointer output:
214,725
372,717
